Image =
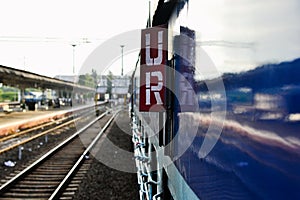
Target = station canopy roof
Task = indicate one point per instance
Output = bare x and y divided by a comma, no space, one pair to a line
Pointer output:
23,79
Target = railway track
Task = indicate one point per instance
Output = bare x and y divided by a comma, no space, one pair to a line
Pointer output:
57,173
20,138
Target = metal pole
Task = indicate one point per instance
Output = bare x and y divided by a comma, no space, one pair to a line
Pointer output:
73,45
122,47
149,17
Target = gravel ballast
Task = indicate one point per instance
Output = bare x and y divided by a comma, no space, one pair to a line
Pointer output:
104,182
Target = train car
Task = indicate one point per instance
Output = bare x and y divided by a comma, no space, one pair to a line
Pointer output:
101,97
215,101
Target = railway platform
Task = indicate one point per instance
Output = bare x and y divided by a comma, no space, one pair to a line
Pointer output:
15,121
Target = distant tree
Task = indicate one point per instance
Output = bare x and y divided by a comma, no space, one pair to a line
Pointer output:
95,76
86,80
81,79
109,83
89,81
1,92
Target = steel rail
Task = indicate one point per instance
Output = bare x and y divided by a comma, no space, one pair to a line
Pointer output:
25,171
76,166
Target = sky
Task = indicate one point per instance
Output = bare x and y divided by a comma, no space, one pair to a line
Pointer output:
37,36
244,34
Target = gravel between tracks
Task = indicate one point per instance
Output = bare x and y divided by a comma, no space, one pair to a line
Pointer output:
103,182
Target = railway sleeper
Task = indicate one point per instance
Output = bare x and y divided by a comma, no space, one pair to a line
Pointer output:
26,195
54,178
42,182
28,186
71,189
44,176
49,171
66,198
69,194
73,185
54,167
57,159
76,182
31,190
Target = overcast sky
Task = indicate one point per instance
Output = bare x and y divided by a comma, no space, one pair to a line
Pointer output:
248,32
26,26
